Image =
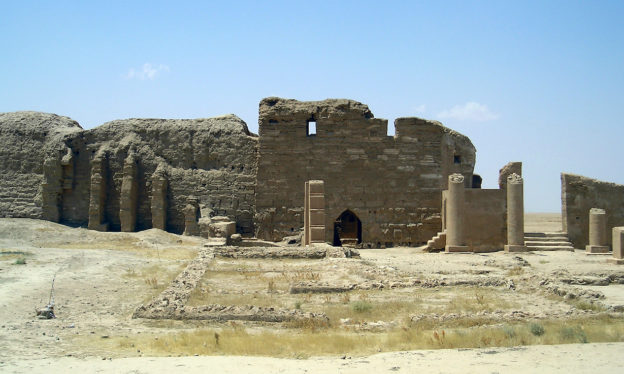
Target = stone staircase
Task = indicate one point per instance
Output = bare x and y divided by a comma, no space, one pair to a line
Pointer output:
547,241
436,243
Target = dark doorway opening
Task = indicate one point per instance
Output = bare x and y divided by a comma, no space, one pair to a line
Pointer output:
347,229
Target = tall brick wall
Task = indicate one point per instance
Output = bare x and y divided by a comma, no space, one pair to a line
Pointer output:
392,184
578,195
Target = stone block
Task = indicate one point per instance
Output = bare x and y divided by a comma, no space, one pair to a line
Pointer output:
596,249
317,234
456,248
317,202
317,217
515,248
317,187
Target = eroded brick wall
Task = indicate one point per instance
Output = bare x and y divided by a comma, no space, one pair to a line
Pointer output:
578,195
392,183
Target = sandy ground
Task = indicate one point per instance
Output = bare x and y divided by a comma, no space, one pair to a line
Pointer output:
569,358
100,278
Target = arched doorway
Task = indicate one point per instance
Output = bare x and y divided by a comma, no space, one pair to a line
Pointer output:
347,229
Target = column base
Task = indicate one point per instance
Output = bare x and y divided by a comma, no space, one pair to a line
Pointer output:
456,248
617,261
596,249
515,248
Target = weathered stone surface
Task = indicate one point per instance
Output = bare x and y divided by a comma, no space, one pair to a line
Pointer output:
513,167
578,195
33,144
391,184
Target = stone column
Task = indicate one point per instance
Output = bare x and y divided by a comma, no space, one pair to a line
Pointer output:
455,239
597,231
315,212
618,246
515,214
97,199
159,198
128,195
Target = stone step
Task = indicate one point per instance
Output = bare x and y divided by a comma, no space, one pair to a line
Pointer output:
550,248
546,242
558,234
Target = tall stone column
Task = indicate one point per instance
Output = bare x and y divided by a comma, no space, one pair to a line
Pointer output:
128,196
515,214
597,231
455,239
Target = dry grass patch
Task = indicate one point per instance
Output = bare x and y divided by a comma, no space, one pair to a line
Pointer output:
306,341
16,256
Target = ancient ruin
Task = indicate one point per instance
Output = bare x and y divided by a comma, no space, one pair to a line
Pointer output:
324,170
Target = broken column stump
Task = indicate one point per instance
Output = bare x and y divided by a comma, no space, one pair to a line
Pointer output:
597,232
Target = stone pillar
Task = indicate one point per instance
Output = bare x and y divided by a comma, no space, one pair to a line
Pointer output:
455,239
314,212
51,190
515,214
597,231
128,195
618,246
159,198
97,199
191,213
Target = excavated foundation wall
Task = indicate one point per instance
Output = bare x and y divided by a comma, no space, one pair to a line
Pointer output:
578,195
392,184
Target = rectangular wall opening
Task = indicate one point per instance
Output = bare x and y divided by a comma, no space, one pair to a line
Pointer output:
311,128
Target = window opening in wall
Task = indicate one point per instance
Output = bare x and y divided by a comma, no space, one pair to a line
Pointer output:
311,128
457,159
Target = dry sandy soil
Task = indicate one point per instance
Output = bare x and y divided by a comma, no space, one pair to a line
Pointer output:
101,278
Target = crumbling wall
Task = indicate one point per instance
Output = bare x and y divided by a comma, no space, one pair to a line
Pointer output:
31,172
392,184
578,195
50,167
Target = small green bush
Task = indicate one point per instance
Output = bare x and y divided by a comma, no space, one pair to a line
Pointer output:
361,306
20,261
537,329
297,304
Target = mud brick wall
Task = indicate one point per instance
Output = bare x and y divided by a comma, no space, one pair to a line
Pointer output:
26,140
578,195
392,184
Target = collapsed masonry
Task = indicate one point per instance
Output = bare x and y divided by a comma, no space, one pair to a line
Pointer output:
212,177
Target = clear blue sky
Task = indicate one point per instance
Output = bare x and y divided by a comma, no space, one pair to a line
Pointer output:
540,82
